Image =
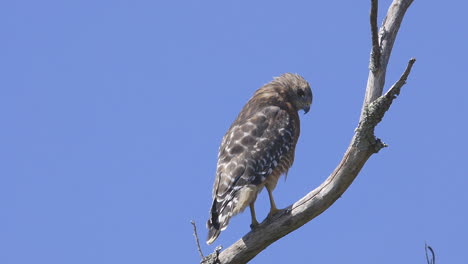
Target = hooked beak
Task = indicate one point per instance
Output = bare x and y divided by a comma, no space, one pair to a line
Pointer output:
306,109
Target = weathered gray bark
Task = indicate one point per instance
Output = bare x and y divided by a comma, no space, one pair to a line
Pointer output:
381,54
362,146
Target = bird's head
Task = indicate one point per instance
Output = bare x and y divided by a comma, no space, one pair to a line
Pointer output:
298,90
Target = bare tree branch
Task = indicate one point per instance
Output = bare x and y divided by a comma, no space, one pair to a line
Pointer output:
375,53
195,234
395,89
362,146
432,259
387,35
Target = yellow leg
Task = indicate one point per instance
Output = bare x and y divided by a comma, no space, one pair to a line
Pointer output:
254,218
273,209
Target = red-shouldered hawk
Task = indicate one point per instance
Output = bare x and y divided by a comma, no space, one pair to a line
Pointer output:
258,147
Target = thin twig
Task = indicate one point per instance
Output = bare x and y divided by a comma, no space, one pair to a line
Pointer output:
195,234
396,87
375,53
432,260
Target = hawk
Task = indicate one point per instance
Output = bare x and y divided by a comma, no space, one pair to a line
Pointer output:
257,149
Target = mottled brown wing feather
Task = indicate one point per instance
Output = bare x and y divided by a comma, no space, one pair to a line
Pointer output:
250,151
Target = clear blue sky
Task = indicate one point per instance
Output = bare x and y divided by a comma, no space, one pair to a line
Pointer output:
112,112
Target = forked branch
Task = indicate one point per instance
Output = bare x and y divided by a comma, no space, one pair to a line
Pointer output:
387,35
362,146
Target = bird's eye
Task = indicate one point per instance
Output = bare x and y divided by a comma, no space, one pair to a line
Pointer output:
300,93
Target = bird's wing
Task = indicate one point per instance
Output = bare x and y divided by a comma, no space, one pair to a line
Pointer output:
251,150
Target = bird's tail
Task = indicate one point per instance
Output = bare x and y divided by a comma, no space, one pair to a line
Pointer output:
220,214
213,231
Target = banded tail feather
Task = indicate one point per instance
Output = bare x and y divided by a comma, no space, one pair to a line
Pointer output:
220,214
